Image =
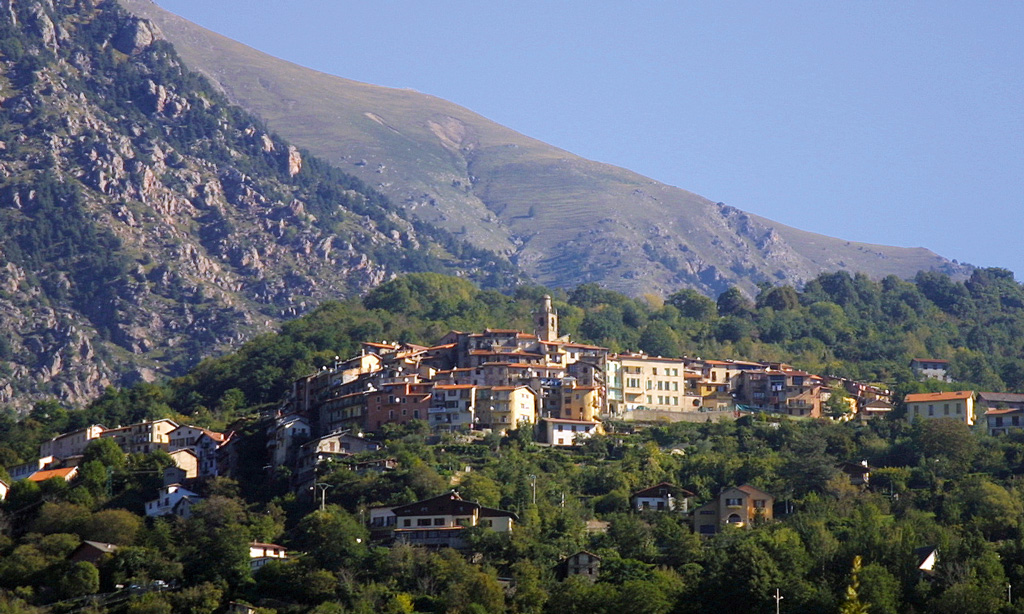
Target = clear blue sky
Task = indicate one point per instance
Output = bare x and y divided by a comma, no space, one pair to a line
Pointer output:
888,122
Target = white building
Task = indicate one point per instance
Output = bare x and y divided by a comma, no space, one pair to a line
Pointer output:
173,499
564,432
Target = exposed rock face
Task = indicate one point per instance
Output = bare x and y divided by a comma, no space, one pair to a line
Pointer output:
134,36
147,224
294,161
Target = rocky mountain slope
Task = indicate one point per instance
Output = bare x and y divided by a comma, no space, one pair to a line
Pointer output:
562,218
149,223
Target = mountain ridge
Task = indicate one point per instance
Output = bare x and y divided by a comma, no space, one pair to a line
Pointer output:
148,223
563,219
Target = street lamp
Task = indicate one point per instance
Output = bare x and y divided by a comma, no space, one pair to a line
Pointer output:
323,486
533,483
778,598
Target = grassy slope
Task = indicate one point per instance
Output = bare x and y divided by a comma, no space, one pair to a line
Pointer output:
456,168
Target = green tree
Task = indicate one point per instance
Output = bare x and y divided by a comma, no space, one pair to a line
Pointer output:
81,579
694,305
851,601
333,537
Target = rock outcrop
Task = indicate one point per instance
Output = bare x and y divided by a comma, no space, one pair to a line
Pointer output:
148,223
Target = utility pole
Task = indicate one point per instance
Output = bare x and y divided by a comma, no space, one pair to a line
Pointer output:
323,486
778,598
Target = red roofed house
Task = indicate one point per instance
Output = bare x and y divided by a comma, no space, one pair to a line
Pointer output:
67,474
261,554
957,405
1003,411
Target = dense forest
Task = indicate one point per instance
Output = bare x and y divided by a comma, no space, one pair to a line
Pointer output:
832,547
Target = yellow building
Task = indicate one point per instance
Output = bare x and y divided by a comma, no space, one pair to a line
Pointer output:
581,402
505,407
657,383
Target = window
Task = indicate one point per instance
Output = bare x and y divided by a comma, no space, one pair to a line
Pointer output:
439,522
407,522
733,502
759,504
931,410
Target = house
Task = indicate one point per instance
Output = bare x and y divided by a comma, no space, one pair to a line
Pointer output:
453,407
1003,411
779,388
67,474
260,554
173,499
24,470
441,521
398,403
859,473
91,552
580,402
661,498
563,432
739,506
285,437
203,442
874,409
931,368
71,444
957,405
653,383
142,437
506,407
583,563
334,446
1001,421
185,460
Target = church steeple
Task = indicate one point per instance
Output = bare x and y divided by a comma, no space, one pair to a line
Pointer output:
545,321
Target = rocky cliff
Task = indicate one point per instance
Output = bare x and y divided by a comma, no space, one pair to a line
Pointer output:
149,223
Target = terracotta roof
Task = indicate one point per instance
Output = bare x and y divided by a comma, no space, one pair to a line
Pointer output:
1003,412
938,360
924,397
42,476
453,386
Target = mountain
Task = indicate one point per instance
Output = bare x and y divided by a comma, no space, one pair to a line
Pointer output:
561,218
149,223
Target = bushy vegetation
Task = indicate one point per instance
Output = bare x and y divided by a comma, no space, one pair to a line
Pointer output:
937,484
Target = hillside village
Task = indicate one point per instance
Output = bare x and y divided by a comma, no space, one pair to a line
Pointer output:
497,381
502,445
